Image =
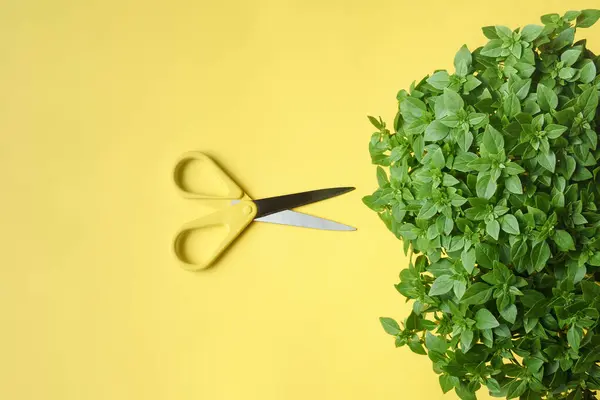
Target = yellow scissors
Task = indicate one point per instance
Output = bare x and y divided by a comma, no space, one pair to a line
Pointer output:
242,210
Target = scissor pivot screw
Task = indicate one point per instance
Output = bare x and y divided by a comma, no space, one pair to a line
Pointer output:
247,210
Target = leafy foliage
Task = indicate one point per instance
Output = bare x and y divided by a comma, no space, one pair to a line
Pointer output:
491,177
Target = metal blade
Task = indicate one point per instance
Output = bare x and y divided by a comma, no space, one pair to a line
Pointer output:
275,204
295,218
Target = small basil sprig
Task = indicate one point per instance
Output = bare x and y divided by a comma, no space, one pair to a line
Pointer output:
490,176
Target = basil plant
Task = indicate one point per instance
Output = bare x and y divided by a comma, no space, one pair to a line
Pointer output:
490,177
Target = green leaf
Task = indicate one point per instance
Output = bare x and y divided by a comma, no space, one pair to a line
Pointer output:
468,260
415,345
462,61
477,293
493,48
441,285
571,15
439,80
471,83
476,118
487,337
412,109
486,255
567,73
587,18
418,147
531,32
448,382
382,178
582,174
518,249
540,254
464,392
587,103
520,87
428,210
547,99
462,161
486,186
587,73
390,326
512,106
513,184
436,131
375,122
459,289
452,101
512,168
466,340
464,139
570,56
490,32
529,324
564,38
484,319
449,180
408,231
493,229
574,336
480,164
504,32
435,343
509,313
563,240
436,157
493,142
516,50
510,224
502,331
549,19
516,388
547,160
554,131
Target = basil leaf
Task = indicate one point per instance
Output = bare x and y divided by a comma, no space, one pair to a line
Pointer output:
390,325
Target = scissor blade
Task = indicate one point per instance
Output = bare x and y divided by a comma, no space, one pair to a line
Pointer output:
275,204
295,218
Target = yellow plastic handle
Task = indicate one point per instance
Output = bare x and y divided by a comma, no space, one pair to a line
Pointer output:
233,191
235,218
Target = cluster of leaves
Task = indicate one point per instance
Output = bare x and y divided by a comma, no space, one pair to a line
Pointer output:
492,182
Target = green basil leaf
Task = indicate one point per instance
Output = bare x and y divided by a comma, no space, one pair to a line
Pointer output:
462,61
548,100
441,285
486,186
513,184
510,224
468,260
484,319
390,326
493,229
477,293
435,343
440,80
531,32
587,18
436,131
563,240
509,313
587,73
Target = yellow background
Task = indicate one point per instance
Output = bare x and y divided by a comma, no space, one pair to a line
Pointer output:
99,98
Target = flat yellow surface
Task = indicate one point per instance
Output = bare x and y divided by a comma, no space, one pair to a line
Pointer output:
99,98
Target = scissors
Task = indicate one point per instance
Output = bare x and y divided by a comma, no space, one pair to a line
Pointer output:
242,210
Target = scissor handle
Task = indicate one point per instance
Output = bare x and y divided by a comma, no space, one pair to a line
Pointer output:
233,190
235,218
